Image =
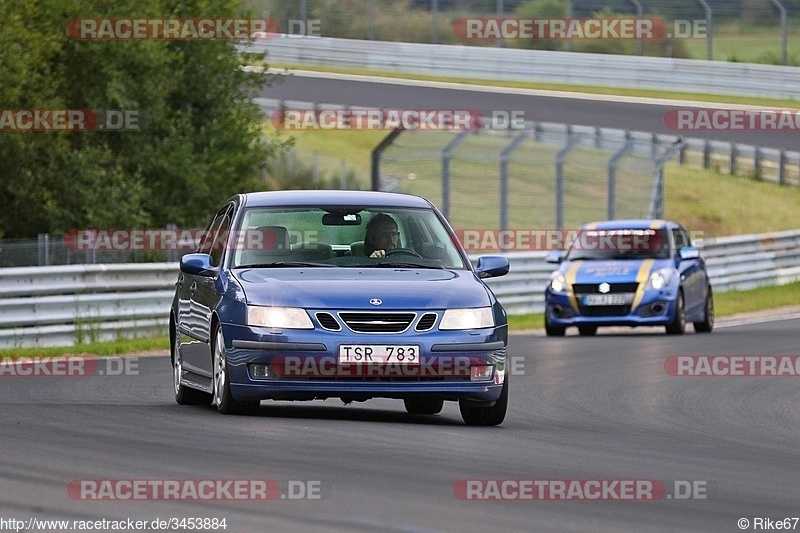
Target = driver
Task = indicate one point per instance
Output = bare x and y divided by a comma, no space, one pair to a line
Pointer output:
382,236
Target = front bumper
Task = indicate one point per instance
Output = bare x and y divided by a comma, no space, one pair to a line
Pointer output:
656,308
315,353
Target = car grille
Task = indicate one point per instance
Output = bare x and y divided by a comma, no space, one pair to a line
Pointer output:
593,288
367,379
378,322
426,322
605,310
327,321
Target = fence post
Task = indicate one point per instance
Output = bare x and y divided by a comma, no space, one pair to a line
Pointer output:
612,175
639,15
782,167
435,21
572,142
707,154
709,41
377,152
505,156
734,154
447,155
656,208
757,162
784,41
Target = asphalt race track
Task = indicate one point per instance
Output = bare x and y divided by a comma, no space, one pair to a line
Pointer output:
600,408
585,110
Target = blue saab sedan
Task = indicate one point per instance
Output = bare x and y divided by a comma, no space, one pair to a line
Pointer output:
304,295
629,273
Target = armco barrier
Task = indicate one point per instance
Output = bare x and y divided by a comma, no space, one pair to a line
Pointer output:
690,75
49,306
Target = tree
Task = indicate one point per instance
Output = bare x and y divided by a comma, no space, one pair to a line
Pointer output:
200,142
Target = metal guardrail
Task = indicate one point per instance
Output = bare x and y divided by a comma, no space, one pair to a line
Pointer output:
65,305
658,73
49,306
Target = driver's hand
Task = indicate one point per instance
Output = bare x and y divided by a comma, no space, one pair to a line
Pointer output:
378,253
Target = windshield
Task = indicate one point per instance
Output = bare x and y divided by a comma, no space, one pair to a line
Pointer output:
619,244
275,237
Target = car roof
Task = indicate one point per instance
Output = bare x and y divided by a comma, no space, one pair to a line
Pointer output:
328,198
631,224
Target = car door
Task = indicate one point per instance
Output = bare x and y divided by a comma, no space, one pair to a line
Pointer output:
692,277
208,294
193,315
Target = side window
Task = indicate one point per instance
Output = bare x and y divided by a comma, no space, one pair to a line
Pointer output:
208,236
221,237
680,239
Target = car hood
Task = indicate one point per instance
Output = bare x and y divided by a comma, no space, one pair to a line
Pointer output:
613,271
353,288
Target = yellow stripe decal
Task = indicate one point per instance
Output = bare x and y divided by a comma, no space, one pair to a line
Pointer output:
641,279
572,273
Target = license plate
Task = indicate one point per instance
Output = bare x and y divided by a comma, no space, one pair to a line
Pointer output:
407,354
604,299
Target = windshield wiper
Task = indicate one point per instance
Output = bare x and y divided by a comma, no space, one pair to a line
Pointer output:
398,264
286,264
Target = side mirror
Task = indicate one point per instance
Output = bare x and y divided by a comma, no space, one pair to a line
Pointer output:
689,253
198,265
492,266
555,257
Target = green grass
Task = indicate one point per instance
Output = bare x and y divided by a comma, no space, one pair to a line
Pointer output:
748,44
719,204
586,89
725,304
117,347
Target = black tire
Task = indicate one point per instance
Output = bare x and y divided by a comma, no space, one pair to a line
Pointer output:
185,395
225,402
678,324
424,406
707,325
486,416
552,330
587,331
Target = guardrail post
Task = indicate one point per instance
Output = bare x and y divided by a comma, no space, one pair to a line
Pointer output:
598,137
447,155
707,154
612,174
682,155
781,167
734,155
572,142
377,153
505,156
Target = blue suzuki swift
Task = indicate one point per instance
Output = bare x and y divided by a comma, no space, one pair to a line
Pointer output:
629,273
304,295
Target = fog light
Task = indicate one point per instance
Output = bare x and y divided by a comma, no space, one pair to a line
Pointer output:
481,373
262,372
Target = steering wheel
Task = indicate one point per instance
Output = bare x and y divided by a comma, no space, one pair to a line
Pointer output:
403,251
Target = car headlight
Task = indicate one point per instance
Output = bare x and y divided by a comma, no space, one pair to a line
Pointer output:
278,317
481,317
659,279
558,283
